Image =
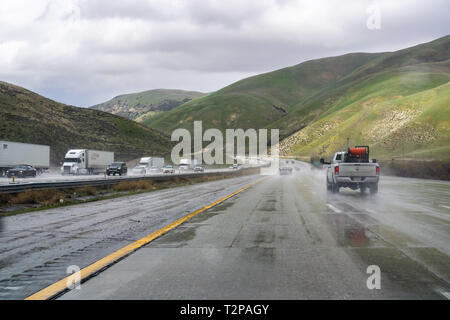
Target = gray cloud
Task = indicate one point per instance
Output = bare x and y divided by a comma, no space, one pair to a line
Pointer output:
83,52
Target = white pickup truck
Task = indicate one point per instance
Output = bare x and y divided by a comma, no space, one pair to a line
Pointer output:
352,169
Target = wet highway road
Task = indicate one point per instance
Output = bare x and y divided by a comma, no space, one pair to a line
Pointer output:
286,238
38,247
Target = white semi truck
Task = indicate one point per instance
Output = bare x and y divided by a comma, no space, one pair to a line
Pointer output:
352,169
147,163
16,153
186,164
84,161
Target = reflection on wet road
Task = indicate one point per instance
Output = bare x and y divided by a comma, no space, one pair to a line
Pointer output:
37,247
286,238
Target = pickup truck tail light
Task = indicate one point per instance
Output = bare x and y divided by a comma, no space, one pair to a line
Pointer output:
378,170
336,170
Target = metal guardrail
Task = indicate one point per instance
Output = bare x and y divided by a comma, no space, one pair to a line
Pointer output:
19,187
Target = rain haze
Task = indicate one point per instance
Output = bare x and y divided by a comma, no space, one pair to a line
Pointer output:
328,180
85,52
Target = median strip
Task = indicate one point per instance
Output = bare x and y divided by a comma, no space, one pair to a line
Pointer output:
61,285
19,187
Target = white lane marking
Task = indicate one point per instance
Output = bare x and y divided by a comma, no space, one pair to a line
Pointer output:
333,208
371,211
446,294
445,206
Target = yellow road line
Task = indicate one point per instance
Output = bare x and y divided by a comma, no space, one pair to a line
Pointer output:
61,285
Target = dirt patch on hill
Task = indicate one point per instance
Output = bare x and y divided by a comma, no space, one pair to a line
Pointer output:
391,122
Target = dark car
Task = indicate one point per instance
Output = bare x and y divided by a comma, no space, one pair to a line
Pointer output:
119,168
22,170
285,171
168,169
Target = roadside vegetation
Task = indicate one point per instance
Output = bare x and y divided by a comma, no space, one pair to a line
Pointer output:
435,169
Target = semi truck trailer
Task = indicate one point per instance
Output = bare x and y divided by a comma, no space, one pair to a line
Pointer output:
146,163
17,153
84,161
187,164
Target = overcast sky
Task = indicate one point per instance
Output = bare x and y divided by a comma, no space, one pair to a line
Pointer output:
83,52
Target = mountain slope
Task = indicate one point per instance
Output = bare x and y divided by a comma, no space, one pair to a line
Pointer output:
143,105
427,57
319,100
393,117
28,117
257,101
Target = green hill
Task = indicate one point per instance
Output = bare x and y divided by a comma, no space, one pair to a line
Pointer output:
143,105
375,98
409,125
258,101
28,117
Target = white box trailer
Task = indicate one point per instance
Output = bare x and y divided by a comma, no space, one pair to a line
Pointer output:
146,163
15,153
99,159
186,164
84,161
157,162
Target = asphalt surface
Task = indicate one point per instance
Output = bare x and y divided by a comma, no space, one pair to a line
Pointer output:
286,238
38,247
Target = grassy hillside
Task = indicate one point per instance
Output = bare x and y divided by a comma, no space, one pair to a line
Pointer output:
28,117
392,101
143,105
261,100
429,58
390,114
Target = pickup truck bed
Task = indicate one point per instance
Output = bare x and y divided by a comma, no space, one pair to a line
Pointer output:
352,175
